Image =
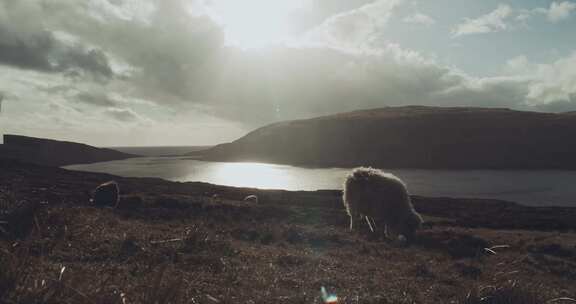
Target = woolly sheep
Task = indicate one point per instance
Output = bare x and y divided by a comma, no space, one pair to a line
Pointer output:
251,198
380,198
106,194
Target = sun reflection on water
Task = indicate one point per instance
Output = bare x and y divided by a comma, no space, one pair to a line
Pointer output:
258,175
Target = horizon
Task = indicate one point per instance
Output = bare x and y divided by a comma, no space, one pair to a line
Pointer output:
175,73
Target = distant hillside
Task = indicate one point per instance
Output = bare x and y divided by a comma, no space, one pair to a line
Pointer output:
161,150
55,153
414,137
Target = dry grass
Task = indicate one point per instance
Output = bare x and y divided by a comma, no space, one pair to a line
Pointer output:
21,283
512,292
176,248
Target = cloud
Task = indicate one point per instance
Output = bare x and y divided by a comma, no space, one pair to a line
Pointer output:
122,115
26,43
419,18
25,54
517,65
549,86
556,12
169,56
309,82
96,99
317,11
356,28
93,61
494,21
559,11
554,82
167,68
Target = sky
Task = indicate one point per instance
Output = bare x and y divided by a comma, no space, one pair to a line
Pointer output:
203,72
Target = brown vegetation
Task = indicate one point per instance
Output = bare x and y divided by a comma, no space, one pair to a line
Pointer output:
169,244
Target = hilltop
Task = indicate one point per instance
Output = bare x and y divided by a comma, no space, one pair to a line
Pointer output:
55,153
414,137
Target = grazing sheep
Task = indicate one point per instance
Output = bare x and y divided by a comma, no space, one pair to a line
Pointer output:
106,194
251,198
382,199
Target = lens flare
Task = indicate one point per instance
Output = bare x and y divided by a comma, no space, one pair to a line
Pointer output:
328,298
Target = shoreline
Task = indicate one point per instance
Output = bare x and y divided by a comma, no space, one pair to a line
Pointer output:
529,188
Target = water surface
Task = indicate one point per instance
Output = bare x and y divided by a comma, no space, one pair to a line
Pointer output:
539,188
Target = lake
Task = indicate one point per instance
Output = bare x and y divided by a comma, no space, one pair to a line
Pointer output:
536,188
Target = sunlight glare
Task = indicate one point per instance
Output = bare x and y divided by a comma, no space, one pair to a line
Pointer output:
259,175
255,23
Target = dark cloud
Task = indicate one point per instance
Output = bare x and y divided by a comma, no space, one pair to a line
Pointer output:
30,53
41,51
93,61
176,53
25,43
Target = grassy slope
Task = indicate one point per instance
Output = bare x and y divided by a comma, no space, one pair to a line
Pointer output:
176,245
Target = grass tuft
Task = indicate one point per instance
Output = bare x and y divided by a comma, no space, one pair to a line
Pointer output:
509,292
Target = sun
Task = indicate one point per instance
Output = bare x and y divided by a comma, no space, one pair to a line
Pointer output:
253,24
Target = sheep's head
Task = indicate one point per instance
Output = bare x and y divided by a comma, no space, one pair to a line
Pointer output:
410,225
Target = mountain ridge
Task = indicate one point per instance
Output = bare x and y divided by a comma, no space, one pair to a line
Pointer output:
51,152
413,137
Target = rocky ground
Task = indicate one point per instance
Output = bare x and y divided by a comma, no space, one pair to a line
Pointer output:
170,243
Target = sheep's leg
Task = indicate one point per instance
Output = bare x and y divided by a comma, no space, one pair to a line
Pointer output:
351,224
374,223
369,223
353,216
386,234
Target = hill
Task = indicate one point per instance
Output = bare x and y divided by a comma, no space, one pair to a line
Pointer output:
55,153
414,137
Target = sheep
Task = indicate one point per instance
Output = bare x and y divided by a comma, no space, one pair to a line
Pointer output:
251,198
107,194
380,198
